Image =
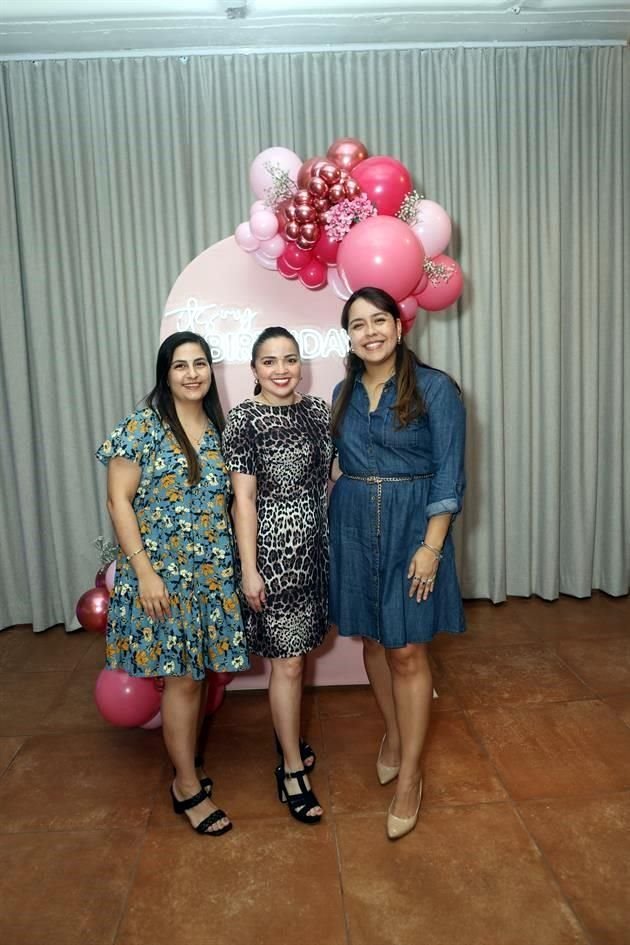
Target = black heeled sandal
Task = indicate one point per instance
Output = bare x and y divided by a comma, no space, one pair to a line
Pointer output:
299,804
206,783
306,752
180,807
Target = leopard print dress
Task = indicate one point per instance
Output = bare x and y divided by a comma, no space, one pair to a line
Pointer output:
288,449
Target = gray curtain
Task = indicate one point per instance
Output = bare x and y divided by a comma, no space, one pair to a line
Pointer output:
114,173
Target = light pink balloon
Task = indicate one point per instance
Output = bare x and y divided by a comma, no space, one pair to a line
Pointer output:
381,252
433,227
265,261
110,575
155,722
260,178
273,247
263,224
408,308
338,284
245,238
257,205
437,297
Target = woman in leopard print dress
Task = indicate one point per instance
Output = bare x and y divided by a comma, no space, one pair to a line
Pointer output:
278,449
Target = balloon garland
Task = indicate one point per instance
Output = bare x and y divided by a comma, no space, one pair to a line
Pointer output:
350,220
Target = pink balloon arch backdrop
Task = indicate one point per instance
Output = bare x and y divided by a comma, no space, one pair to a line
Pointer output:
329,224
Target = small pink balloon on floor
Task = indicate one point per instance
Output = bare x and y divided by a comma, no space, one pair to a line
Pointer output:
92,608
124,700
155,722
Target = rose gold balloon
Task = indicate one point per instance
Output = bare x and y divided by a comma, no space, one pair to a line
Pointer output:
321,204
292,230
308,170
318,187
346,153
289,211
323,218
336,193
351,189
329,173
304,243
310,231
305,214
301,197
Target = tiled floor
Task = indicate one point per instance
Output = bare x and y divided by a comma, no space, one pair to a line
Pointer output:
523,839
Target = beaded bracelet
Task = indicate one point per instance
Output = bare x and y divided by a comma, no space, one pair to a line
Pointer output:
134,553
437,552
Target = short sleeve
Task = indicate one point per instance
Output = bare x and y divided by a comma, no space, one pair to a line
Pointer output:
134,438
237,443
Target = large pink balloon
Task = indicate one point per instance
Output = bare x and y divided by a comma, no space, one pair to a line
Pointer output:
436,297
433,227
124,700
381,252
385,181
92,609
265,163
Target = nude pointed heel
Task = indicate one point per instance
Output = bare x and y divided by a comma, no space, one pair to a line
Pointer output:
398,827
385,773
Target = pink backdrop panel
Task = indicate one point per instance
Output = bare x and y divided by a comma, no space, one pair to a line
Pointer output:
225,296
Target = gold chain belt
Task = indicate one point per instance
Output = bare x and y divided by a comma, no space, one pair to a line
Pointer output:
378,482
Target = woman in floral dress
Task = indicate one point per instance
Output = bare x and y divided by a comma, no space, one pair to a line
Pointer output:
174,611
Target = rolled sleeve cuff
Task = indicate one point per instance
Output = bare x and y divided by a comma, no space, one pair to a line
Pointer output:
443,507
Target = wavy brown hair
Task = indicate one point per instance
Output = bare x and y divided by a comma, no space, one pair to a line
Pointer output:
409,404
161,400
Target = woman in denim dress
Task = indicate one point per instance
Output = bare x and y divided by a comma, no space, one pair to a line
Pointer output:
399,428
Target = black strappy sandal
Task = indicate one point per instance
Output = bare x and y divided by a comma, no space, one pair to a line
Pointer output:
180,807
306,752
299,804
206,783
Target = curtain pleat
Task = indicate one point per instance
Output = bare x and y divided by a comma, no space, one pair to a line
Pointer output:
115,173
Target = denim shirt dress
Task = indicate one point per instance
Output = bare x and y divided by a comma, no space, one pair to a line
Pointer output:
377,526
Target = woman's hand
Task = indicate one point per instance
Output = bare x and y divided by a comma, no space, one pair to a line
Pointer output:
154,596
422,572
254,591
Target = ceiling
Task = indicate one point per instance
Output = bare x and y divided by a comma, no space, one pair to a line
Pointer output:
95,27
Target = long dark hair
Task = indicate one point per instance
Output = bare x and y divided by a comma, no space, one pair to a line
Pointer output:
409,404
276,331
161,398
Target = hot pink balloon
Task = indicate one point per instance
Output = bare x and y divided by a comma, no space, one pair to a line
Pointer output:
434,298
155,722
433,227
216,694
263,224
124,700
245,239
286,270
422,284
295,257
326,249
260,178
273,247
406,323
222,678
313,275
385,181
381,252
408,308
338,284
92,609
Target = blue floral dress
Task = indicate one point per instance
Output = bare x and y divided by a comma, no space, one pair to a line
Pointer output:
395,479
187,534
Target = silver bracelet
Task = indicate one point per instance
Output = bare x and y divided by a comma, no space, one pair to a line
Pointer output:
437,552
